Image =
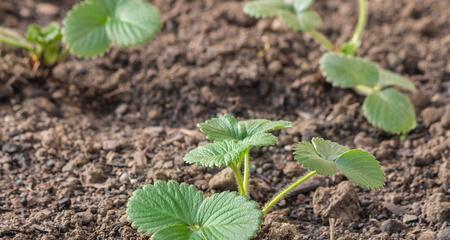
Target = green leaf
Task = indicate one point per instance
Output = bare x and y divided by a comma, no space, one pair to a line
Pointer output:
168,210
346,71
327,157
307,155
216,154
388,78
391,111
227,127
361,168
302,5
222,128
308,21
267,8
91,26
327,149
259,140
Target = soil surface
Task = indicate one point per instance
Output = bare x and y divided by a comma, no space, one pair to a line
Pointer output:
76,141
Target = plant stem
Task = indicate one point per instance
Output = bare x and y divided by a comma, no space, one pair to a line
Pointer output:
10,37
286,191
364,90
238,176
322,39
246,171
362,21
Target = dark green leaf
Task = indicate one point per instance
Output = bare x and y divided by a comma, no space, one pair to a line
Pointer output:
361,168
346,71
391,111
388,78
309,157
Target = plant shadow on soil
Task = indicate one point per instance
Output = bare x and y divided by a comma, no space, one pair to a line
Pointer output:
75,146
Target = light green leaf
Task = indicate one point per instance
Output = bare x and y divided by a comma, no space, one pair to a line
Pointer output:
307,155
391,111
168,210
309,21
91,26
388,78
267,8
255,126
227,127
361,168
216,154
221,128
327,149
302,5
346,71
259,140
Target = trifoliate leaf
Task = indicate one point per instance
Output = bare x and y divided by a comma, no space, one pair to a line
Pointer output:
91,26
216,154
267,8
388,78
327,157
227,127
259,140
346,71
361,168
391,111
169,210
307,155
327,149
302,5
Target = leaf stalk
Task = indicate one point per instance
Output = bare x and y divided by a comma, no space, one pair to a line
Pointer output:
362,22
238,176
322,40
246,171
286,191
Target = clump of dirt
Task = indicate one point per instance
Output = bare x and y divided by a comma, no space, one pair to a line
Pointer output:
75,144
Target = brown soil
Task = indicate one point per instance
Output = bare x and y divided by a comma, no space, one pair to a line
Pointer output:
75,145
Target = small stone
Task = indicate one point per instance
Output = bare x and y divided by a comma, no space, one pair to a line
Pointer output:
223,180
340,203
124,178
284,231
437,208
431,115
409,218
445,120
46,9
427,235
392,226
444,174
275,67
10,147
444,234
121,109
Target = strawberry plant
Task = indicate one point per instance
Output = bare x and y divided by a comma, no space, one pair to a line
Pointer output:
89,30
384,107
42,43
169,210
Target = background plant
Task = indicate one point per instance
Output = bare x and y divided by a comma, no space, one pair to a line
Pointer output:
384,106
168,210
89,30
43,44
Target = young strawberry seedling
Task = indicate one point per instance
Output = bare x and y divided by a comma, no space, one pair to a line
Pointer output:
89,30
384,106
168,210
42,43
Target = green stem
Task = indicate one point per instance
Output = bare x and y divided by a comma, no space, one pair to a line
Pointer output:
362,21
10,37
364,90
238,176
286,191
246,171
322,39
